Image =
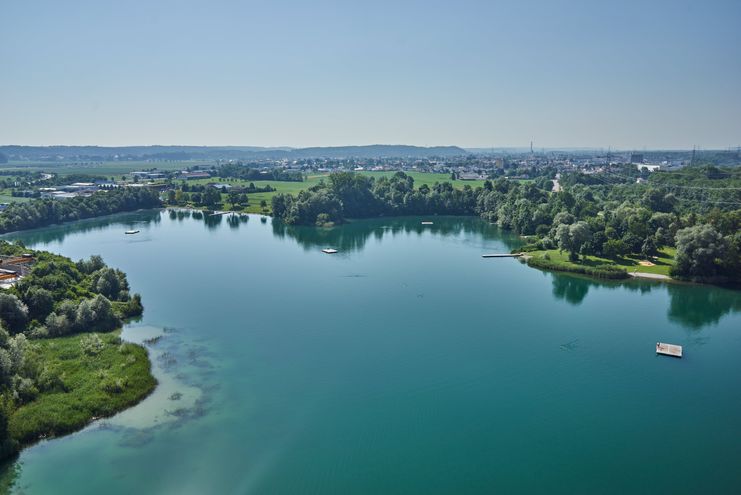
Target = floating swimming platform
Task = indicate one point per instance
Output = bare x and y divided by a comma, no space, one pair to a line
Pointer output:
669,349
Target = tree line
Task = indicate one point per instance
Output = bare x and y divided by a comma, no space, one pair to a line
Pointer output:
240,171
47,211
610,220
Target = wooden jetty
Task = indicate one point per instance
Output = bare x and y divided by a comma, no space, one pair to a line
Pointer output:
329,251
669,349
504,255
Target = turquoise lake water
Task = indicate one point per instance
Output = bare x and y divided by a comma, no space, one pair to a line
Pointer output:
404,364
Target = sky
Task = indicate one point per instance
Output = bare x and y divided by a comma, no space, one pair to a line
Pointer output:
628,74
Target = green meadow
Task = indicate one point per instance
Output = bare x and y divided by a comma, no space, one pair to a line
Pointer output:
631,263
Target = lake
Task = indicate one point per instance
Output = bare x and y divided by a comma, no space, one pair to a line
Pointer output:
403,364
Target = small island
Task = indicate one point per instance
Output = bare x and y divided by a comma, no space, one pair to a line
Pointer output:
62,361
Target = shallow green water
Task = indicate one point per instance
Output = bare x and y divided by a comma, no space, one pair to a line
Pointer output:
405,363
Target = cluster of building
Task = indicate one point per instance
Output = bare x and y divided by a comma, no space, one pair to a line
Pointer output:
13,268
76,189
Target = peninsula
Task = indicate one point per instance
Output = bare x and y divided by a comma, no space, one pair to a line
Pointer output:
62,362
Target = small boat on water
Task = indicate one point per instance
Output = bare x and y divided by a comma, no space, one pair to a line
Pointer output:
427,223
130,232
329,251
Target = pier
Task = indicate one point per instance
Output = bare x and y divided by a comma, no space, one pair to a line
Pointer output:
503,255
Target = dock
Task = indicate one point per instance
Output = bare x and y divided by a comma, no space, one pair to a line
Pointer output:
669,349
503,255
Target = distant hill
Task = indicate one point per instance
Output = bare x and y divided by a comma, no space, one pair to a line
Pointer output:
103,153
375,151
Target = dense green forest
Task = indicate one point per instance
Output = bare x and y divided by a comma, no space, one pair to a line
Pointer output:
697,211
63,312
43,212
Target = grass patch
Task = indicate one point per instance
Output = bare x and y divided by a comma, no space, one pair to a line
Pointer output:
558,260
9,198
599,271
87,379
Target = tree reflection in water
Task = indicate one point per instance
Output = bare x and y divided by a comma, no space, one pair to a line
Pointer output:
692,306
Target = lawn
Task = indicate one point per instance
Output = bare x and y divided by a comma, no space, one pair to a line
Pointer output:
662,263
255,198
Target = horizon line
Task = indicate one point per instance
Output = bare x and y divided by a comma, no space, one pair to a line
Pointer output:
481,148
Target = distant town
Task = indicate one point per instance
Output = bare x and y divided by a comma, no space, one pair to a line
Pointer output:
68,172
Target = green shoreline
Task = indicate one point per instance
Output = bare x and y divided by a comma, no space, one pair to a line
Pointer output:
63,363
117,377
604,268
658,273
633,270
637,269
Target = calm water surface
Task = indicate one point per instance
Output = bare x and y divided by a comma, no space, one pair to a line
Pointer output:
403,364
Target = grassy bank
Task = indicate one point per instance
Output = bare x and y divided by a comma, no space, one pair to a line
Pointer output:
600,267
87,376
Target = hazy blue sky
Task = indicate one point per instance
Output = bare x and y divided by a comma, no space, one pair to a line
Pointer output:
473,73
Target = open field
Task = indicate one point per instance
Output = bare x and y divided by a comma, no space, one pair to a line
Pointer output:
6,197
255,198
105,169
428,178
631,263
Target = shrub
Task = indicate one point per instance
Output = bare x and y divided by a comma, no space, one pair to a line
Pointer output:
13,312
599,271
114,385
91,344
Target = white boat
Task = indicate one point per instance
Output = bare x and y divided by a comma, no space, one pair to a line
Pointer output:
426,223
129,232
329,251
